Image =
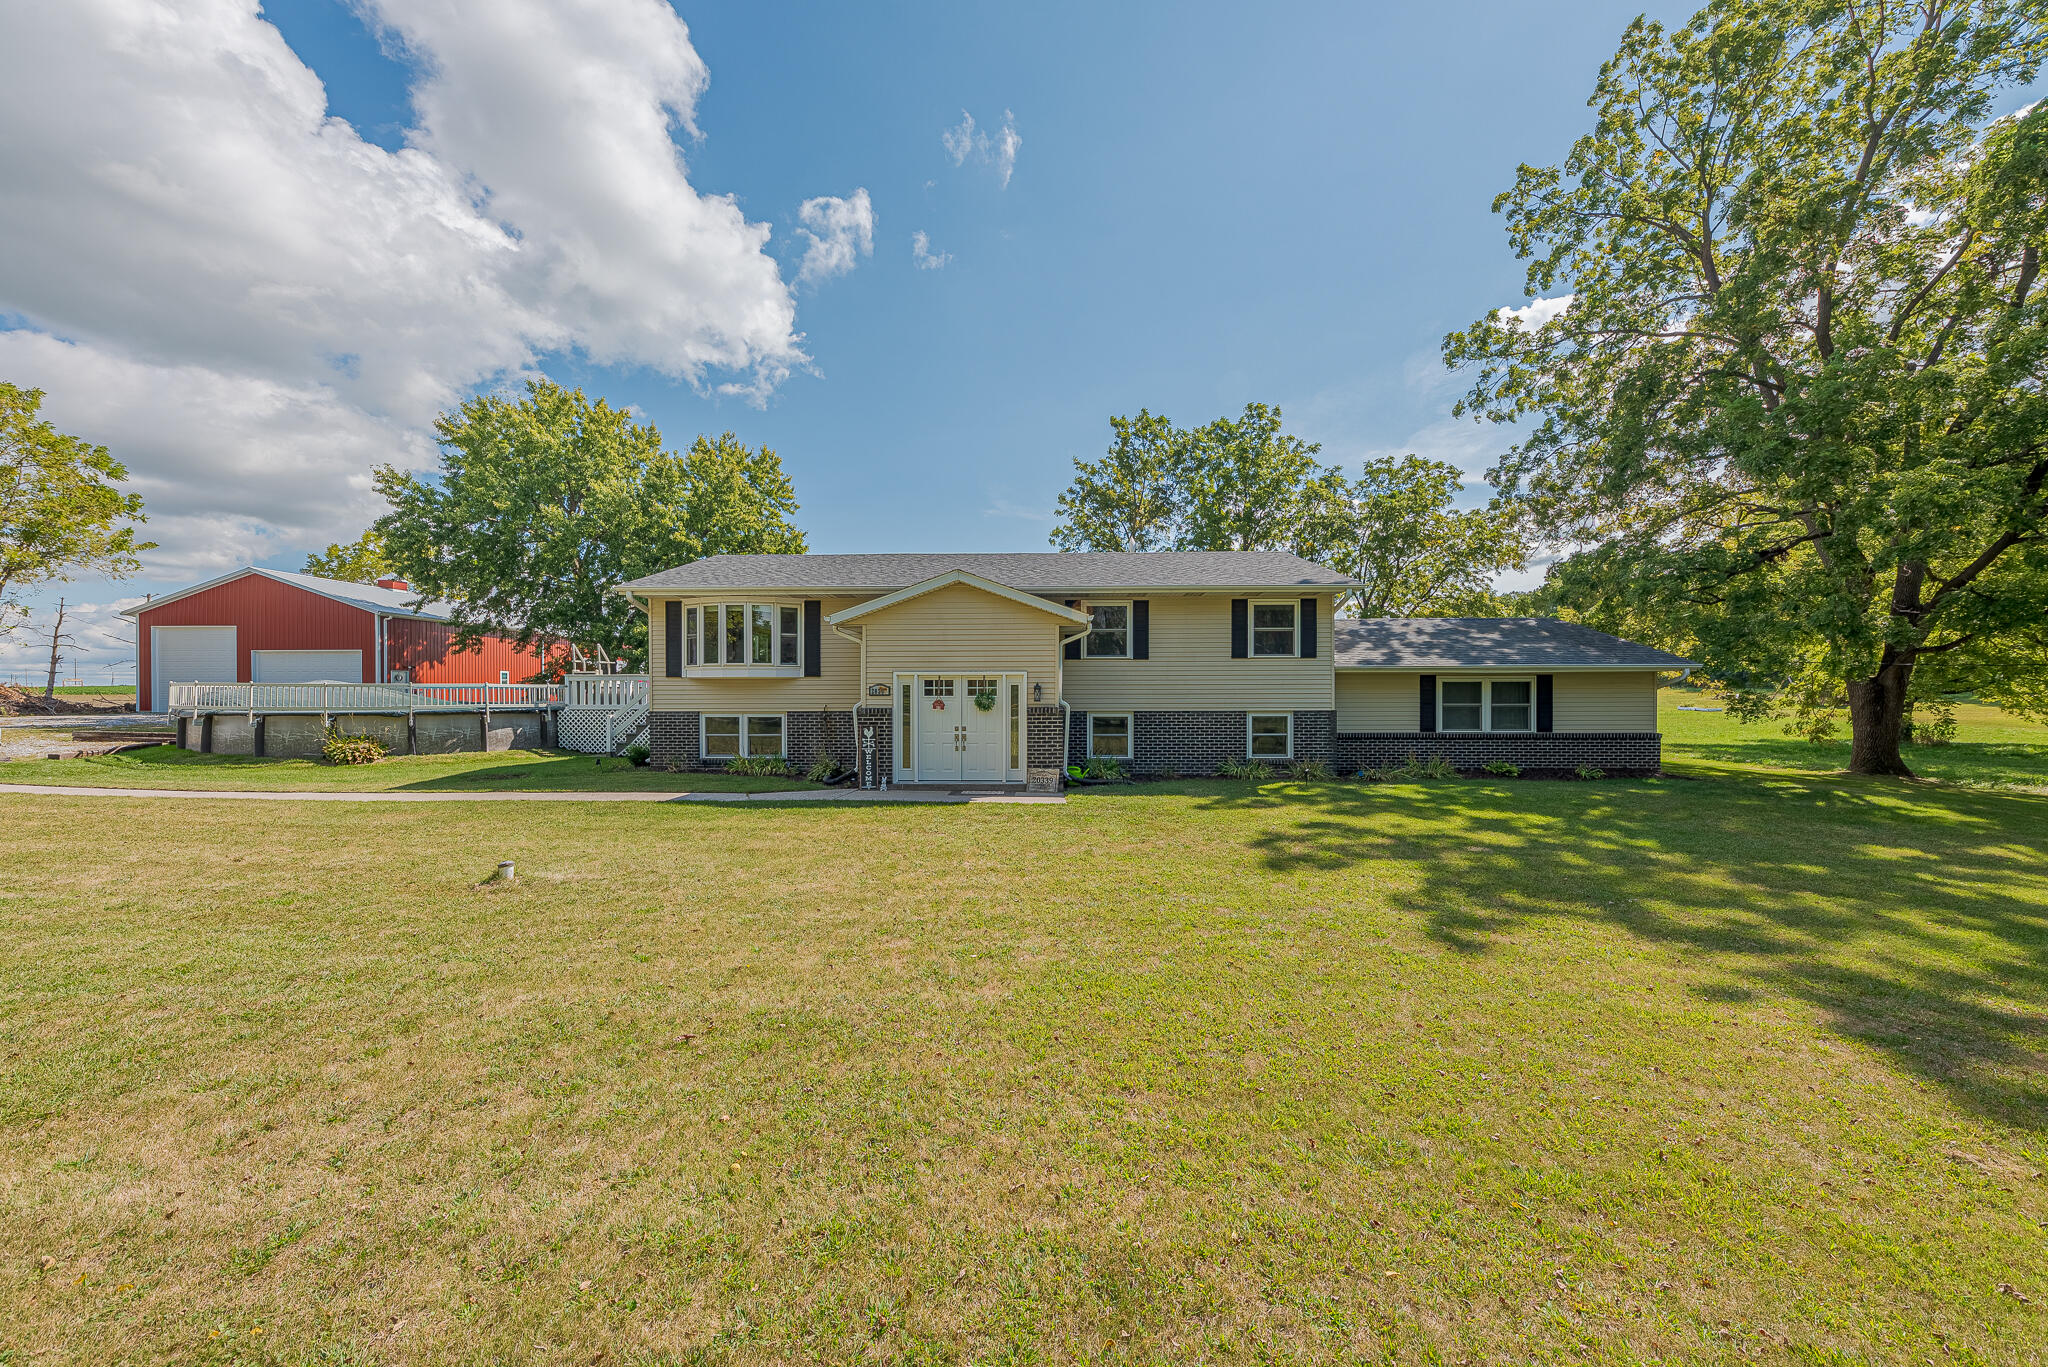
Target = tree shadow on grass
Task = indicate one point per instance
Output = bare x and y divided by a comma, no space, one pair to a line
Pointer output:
1914,920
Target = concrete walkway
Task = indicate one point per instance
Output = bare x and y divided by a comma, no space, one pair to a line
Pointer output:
807,795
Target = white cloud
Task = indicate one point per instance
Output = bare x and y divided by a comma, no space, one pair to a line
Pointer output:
1537,312
252,305
840,232
921,252
1000,151
100,638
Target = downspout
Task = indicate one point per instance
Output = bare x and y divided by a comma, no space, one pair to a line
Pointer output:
860,688
1066,710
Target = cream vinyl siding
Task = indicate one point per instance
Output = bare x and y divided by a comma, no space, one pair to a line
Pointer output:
962,629
1617,700
1372,700
1584,700
835,689
1190,669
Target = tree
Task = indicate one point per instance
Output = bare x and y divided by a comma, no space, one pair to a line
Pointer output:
1130,500
544,505
1790,399
60,512
362,561
1401,535
1233,484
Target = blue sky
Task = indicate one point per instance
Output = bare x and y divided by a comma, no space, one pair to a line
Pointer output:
1209,205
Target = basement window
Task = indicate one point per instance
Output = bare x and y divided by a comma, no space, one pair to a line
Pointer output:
728,737
1270,736
1109,735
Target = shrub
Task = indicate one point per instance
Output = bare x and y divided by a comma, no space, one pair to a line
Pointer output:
1310,771
340,749
1501,768
758,766
638,756
1938,728
1411,769
823,769
1247,769
1589,773
1105,770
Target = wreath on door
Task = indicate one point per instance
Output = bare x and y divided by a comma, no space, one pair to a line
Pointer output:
986,700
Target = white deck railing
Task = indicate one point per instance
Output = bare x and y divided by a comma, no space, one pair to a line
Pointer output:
615,692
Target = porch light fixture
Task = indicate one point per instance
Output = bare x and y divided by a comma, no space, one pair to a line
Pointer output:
1038,692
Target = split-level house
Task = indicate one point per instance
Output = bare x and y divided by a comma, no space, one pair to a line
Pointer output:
1004,669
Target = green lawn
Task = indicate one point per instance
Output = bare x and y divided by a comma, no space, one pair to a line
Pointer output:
166,766
1743,1064
1990,747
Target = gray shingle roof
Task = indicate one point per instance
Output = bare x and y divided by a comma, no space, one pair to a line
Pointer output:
1040,572
1488,643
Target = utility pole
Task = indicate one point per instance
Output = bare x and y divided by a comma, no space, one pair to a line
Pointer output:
58,640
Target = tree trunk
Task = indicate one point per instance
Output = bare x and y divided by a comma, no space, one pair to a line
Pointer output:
56,641
1877,712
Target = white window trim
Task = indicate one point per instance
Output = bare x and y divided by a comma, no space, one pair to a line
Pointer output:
1251,632
1249,717
704,735
1486,683
1130,627
1130,736
708,613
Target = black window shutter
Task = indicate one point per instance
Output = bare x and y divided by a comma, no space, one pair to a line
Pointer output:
1073,646
1240,628
814,638
1545,694
1429,702
1308,628
1141,629
672,637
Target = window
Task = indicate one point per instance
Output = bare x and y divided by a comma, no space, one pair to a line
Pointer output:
1273,628
504,676
938,688
735,633
764,735
1487,705
721,737
1109,736
903,729
744,634
726,737
1016,727
1270,737
1109,631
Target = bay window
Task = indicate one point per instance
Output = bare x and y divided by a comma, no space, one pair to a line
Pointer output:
745,634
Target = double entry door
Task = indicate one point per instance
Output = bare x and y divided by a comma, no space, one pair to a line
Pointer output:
956,741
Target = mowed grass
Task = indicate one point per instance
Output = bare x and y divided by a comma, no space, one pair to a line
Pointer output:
1747,1066
167,766
1991,747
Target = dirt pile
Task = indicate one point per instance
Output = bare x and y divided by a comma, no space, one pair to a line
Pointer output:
23,702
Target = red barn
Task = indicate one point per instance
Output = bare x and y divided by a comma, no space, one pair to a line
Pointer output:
272,626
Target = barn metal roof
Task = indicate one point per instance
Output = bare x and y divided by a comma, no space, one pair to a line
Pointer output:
1488,643
1036,572
368,597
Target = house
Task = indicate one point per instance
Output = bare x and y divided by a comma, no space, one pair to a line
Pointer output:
1003,669
271,626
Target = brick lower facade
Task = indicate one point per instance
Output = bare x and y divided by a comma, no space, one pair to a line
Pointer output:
883,720
1043,749
1537,753
1195,743
672,740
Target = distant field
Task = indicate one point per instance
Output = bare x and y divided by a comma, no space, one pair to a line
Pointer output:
1991,747
84,690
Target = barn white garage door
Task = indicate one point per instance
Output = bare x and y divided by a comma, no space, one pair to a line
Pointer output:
305,666
189,655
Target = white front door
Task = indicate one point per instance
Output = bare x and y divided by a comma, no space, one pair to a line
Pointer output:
982,735
936,703
957,742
